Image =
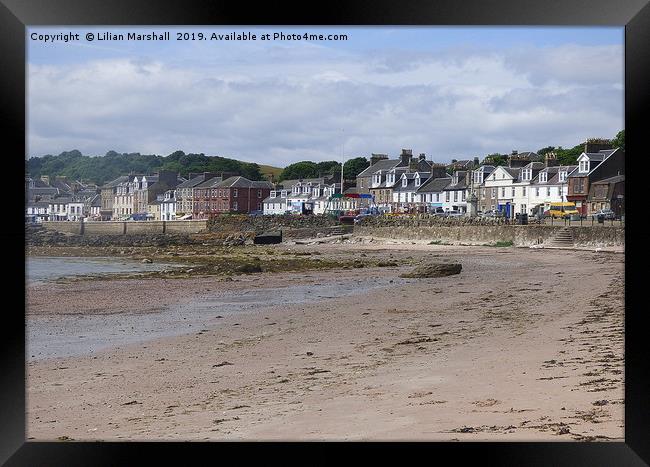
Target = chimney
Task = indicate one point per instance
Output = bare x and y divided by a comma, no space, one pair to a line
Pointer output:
453,161
550,159
597,144
477,162
514,153
422,157
46,179
374,158
406,156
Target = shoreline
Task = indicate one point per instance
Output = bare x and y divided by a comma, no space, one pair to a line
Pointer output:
483,355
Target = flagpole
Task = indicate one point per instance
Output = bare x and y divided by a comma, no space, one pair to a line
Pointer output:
342,162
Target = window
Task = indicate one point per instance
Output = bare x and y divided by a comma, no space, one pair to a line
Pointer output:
494,192
548,191
542,177
523,191
563,176
417,181
447,196
513,191
438,197
404,181
584,166
537,192
235,193
503,192
259,193
234,206
463,195
455,196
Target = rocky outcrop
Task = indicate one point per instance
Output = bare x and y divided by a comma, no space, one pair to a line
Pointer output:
434,270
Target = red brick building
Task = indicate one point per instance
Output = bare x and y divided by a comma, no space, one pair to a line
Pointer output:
232,195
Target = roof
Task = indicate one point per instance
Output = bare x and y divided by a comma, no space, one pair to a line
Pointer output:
38,204
599,156
61,200
534,165
275,199
435,184
410,185
42,190
117,181
241,182
194,181
384,164
614,179
210,183
302,181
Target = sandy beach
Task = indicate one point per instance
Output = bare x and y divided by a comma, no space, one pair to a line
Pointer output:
522,345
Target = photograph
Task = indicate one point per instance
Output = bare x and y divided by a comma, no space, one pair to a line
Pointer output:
310,233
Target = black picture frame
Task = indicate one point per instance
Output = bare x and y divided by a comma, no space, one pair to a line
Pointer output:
15,15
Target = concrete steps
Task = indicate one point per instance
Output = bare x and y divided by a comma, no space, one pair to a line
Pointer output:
564,238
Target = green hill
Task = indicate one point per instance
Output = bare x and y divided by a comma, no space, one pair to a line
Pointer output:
101,169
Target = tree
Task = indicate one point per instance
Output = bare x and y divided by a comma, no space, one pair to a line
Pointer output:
354,167
304,169
100,169
495,159
619,141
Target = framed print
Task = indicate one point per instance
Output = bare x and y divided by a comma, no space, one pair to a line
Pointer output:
370,223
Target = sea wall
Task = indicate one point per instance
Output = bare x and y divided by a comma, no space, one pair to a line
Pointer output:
484,232
126,227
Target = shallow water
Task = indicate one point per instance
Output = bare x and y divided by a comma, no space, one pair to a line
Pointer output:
74,335
46,268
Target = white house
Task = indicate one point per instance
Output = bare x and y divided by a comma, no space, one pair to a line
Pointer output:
37,211
75,210
276,203
456,192
405,191
168,206
550,186
432,193
58,209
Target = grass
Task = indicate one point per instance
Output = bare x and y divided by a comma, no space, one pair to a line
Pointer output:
270,170
503,244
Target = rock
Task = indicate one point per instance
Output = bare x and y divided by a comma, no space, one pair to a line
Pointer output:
310,353
434,270
146,261
248,268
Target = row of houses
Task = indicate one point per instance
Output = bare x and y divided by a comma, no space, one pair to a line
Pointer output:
527,183
403,184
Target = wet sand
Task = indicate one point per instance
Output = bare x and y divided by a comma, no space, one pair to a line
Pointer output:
522,345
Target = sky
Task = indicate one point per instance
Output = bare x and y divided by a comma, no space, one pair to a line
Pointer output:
448,92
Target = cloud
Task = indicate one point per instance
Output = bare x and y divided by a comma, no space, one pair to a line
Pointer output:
284,104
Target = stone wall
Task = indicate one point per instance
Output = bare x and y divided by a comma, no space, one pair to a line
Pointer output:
259,224
482,232
126,227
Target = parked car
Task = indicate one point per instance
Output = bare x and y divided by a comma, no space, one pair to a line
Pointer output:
438,212
607,213
454,214
256,213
